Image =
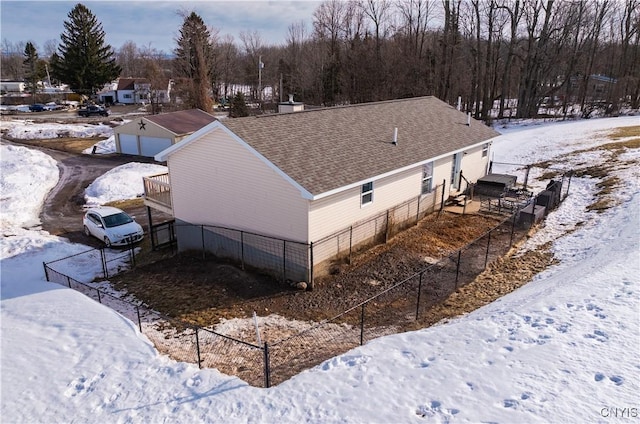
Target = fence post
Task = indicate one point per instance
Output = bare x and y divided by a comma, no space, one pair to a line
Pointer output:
152,233
105,271
99,300
202,236
350,242
418,211
386,230
242,249
526,177
444,185
172,237
139,320
311,265
68,281
284,261
458,267
362,326
419,291
486,255
46,271
133,252
198,349
568,184
267,369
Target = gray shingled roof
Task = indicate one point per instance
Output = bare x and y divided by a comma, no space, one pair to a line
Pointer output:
182,122
325,149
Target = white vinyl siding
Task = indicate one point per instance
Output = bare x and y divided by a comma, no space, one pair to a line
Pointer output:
215,180
474,164
337,212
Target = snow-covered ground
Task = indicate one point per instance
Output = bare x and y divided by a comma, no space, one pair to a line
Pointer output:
563,348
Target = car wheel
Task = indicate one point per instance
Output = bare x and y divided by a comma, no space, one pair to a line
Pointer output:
107,242
86,231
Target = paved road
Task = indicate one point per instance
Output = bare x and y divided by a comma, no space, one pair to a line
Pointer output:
63,208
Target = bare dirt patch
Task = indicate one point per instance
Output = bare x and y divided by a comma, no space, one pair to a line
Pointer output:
64,144
203,291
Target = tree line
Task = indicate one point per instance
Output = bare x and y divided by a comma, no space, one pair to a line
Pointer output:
484,54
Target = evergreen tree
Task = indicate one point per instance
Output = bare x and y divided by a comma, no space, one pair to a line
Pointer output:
238,106
193,62
85,62
33,71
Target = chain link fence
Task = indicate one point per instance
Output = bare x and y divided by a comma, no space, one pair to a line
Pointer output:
397,308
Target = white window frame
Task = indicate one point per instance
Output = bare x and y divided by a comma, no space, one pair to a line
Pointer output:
427,178
366,194
485,150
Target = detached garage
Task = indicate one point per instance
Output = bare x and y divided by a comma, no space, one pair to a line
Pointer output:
149,135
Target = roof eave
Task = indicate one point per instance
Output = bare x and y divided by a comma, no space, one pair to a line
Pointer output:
397,171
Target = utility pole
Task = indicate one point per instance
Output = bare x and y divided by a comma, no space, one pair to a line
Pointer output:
260,66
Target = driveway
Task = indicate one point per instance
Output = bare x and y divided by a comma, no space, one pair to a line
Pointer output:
63,208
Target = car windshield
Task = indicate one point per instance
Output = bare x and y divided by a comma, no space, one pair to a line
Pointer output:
116,220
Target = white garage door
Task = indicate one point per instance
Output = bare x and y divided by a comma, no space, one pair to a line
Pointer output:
151,146
129,144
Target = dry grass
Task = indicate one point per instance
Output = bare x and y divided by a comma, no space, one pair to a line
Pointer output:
595,171
64,144
126,204
550,175
624,132
500,278
608,185
544,164
618,147
629,139
605,188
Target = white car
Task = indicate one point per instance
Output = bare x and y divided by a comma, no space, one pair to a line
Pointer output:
112,225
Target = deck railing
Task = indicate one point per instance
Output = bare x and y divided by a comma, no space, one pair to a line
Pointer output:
157,192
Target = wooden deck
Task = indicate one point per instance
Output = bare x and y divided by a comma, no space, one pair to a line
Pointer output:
157,193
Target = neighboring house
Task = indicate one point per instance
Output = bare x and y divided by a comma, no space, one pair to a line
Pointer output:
134,91
151,134
598,88
13,86
304,176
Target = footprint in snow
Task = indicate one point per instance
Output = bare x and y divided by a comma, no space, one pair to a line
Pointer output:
617,379
193,381
433,408
510,403
82,385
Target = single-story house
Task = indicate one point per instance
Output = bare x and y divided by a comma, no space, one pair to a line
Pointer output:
151,134
303,176
135,91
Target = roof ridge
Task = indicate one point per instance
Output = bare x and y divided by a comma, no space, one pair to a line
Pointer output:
353,105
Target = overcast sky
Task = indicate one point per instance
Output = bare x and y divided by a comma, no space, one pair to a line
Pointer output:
153,23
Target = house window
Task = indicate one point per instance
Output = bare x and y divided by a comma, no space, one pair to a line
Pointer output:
127,96
427,178
366,195
485,150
